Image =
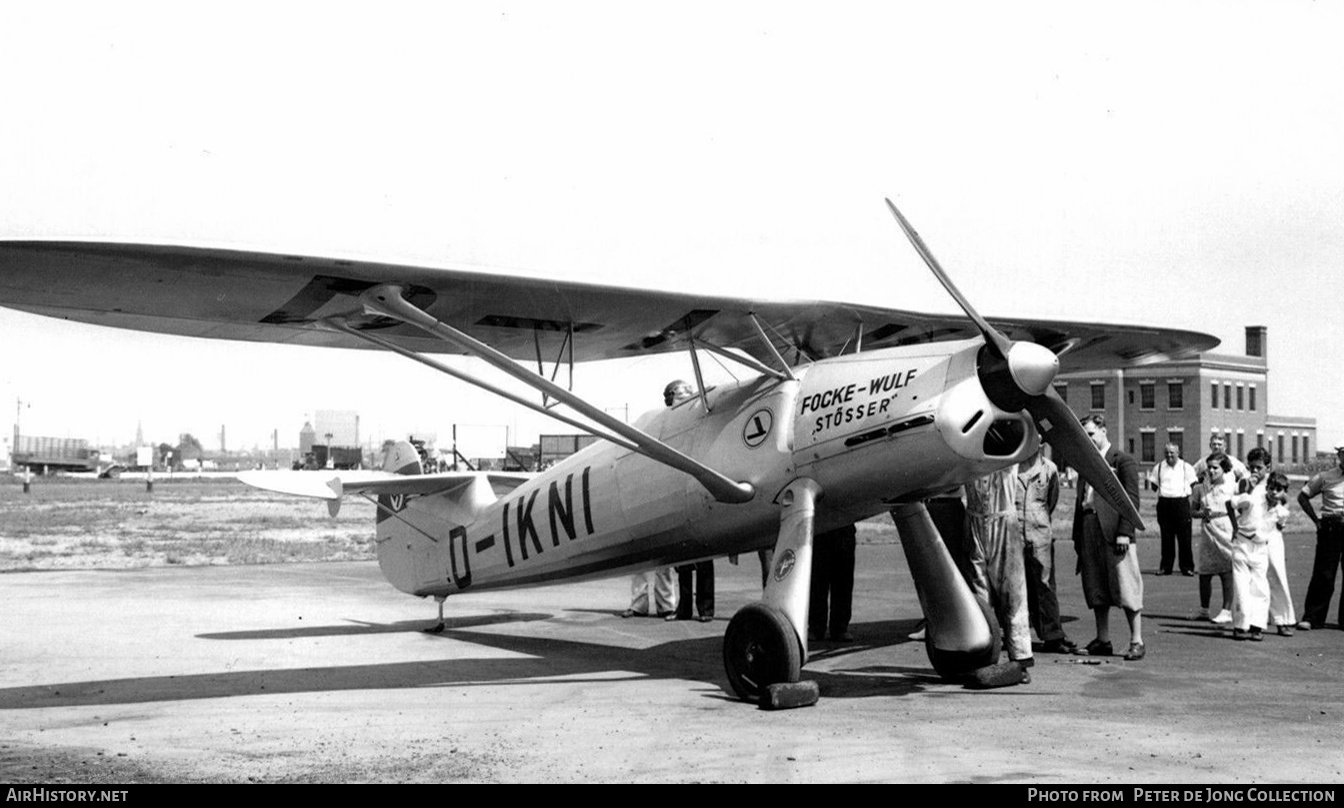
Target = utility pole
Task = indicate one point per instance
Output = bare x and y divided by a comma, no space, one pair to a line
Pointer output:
14,449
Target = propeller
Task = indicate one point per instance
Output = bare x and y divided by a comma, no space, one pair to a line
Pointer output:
1018,376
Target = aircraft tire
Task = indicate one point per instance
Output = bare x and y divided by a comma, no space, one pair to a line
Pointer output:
954,665
760,648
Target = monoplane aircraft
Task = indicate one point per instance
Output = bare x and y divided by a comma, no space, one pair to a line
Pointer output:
848,411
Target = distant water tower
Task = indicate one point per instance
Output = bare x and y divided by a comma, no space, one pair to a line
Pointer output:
307,437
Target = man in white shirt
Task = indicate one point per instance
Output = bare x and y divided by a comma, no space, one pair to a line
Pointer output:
1172,479
1218,446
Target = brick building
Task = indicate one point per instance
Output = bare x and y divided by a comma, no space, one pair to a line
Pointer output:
1184,402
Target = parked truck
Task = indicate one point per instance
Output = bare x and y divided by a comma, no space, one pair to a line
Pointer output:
44,455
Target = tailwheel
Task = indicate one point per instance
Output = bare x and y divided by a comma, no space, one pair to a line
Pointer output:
760,649
438,627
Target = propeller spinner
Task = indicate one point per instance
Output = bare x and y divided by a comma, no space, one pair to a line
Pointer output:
1018,376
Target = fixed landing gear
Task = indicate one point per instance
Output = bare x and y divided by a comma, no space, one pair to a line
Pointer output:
953,665
764,649
760,649
962,635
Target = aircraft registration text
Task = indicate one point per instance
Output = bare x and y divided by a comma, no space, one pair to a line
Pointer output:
518,526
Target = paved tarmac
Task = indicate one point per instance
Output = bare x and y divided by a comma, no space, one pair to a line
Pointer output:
320,673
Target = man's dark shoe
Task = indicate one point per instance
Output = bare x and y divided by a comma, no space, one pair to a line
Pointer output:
1164,572
1063,645
1096,648
842,636
1188,573
1136,652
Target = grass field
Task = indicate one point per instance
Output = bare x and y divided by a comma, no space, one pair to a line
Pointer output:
86,524
109,524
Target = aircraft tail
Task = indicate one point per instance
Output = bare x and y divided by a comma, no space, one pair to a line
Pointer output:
420,534
421,520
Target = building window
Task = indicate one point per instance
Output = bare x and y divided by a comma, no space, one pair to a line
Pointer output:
1175,396
1176,437
1098,396
1306,455
1251,393
1213,399
1241,405
1294,448
1279,454
1259,440
1148,444
1241,444
1227,395
1062,390
1147,395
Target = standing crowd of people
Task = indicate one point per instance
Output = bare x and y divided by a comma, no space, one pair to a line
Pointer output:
1005,548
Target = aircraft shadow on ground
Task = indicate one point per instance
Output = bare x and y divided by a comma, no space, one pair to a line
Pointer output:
359,628
543,659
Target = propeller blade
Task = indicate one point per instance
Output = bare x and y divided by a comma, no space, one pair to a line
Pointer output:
1059,427
1021,378
997,340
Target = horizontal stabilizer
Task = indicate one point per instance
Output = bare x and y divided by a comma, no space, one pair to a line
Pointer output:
330,485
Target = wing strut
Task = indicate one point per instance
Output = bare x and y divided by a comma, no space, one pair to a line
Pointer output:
699,378
541,370
764,370
388,301
788,373
369,336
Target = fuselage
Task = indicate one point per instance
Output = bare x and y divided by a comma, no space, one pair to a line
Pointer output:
872,429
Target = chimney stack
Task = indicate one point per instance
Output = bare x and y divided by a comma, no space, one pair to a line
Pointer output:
1256,344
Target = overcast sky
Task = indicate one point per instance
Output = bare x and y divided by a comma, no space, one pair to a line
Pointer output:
1176,163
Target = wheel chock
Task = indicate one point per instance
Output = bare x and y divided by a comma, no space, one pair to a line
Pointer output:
1002,674
787,695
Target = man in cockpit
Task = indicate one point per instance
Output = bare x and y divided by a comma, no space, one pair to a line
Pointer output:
677,390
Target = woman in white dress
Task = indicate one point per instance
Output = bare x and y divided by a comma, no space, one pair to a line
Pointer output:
1215,545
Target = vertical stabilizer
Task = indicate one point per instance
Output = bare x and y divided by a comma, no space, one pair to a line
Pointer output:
407,555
